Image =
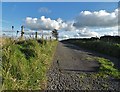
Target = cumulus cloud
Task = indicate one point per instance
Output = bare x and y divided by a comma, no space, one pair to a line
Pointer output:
44,23
63,36
100,18
107,31
86,24
87,33
69,27
77,35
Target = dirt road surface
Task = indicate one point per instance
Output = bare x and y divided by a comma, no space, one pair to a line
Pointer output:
73,69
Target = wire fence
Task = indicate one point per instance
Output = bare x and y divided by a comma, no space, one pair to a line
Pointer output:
28,34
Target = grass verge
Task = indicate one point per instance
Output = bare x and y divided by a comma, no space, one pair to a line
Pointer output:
111,49
25,63
107,68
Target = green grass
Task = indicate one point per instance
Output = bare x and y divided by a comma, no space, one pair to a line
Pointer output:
25,63
111,49
107,68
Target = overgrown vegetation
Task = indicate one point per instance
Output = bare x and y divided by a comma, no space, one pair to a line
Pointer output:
25,63
107,68
108,48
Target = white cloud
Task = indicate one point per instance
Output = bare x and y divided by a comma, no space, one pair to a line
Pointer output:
69,27
87,24
85,32
48,24
44,10
107,31
44,23
64,36
76,35
100,18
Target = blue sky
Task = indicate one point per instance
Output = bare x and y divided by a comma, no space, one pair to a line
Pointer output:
15,13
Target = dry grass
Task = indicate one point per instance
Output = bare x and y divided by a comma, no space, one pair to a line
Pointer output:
6,41
2,41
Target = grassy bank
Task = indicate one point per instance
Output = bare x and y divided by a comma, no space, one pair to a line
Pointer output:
25,64
111,49
107,68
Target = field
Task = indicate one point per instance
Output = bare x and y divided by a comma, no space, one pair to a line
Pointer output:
25,63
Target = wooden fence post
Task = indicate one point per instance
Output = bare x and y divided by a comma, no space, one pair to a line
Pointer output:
50,38
22,31
36,35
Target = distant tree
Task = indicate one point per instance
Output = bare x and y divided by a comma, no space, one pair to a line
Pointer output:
55,34
112,39
94,38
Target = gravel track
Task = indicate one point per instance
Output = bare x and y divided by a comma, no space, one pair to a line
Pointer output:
71,70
